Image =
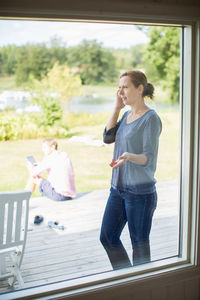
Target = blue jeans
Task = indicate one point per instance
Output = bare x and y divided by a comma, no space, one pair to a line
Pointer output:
47,190
137,210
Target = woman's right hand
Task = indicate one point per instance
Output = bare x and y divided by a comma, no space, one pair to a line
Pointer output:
119,102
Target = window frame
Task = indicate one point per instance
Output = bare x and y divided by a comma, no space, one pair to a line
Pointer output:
189,182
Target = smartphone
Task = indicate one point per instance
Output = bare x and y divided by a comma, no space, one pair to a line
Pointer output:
31,159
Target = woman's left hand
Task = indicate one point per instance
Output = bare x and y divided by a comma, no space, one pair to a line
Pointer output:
120,161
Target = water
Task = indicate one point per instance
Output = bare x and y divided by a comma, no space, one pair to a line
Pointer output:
93,104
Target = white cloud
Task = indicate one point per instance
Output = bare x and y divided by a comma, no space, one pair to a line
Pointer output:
110,35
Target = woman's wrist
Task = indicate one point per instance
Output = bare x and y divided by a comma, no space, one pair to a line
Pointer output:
128,156
140,159
113,120
117,109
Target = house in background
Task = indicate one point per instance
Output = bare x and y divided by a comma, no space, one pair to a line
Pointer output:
179,277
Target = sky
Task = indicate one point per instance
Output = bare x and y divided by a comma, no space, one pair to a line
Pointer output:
20,32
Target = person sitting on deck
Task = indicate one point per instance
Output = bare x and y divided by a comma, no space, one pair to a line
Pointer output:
60,184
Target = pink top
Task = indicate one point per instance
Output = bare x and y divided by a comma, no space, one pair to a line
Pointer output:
60,172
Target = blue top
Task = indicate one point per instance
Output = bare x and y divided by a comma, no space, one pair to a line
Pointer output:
139,137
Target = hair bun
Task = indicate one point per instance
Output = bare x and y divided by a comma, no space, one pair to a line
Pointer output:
148,90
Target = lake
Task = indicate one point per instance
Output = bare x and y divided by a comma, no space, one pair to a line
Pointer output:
93,104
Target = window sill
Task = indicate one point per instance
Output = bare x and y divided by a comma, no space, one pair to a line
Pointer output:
143,273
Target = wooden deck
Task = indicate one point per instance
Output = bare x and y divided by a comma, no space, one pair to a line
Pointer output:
53,255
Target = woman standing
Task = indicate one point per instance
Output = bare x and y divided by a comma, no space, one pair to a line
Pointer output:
133,196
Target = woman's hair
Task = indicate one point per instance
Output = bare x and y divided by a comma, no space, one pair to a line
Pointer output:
51,142
137,78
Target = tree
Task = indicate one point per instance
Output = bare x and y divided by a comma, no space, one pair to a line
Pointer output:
8,59
94,64
22,68
163,52
36,60
133,58
57,50
123,58
137,57
54,91
32,61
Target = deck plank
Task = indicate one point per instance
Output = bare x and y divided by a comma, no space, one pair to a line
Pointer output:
54,255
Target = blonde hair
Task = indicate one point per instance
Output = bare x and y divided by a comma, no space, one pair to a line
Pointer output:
51,142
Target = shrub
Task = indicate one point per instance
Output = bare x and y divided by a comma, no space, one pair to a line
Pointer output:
14,126
9,127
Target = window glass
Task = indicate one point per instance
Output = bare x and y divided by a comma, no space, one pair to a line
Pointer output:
59,80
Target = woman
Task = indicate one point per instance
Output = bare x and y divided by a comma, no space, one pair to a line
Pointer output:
133,196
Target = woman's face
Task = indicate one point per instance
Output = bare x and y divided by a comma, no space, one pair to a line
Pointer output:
128,92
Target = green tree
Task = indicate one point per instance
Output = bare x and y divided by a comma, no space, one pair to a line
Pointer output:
57,50
54,91
32,61
8,59
134,58
137,55
36,60
94,64
23,65
123,58
163,52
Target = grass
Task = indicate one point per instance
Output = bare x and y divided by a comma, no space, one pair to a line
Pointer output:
169,147
7,83
91,164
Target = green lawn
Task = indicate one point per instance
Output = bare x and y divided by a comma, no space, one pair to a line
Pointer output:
8,83
91,164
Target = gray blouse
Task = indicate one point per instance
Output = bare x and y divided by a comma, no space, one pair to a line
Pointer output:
139,137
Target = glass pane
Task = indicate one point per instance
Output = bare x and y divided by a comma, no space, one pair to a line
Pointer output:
74,70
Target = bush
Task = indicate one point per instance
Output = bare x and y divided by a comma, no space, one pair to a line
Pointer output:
31,126
14,126
9,126
51,111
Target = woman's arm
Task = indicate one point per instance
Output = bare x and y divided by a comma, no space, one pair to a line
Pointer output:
113,123
150,145
139,159
114,117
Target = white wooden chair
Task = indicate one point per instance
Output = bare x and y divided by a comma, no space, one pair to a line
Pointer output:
14,209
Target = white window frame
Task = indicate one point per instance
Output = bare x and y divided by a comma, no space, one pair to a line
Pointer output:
190,236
